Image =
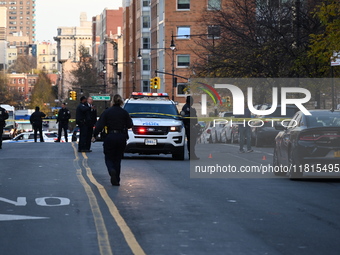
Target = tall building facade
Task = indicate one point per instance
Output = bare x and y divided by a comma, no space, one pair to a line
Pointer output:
3,43
69,39
107,29
150,27
21,18
47,57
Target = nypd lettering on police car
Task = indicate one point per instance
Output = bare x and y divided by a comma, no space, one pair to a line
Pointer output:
150,124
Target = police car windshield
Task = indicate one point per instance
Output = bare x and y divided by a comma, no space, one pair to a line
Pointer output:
168,111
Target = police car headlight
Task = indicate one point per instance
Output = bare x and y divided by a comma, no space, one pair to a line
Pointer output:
175,129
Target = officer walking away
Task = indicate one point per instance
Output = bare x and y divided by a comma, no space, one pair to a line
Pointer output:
63,117
190,123
83,122
118,121
3,116
36,120
93,120
245,131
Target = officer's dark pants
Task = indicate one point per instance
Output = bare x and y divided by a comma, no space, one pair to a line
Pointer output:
245,133
36,129
114,146
63,126
191,141
1,131
88,138
83,129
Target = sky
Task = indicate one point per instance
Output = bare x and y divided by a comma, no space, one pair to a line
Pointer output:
53,14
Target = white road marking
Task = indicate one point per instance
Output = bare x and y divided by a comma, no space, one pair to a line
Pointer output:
11,217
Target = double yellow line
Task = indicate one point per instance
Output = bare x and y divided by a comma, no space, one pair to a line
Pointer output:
102,234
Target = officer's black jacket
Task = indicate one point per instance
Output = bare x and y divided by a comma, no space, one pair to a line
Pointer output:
115,118
63,115
83,114
3,116
190,115
37,118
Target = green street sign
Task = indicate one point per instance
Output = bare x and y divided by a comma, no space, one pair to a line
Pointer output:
101,98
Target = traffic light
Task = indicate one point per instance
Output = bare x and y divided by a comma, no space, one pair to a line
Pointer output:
73,95
152,83
228,101
156,83
55,112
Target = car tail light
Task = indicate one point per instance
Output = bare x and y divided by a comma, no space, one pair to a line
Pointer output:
318,135
142,130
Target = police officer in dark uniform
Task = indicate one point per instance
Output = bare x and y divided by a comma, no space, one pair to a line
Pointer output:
3,116
190,122
36,120
93,120
63,117
83,120
118,121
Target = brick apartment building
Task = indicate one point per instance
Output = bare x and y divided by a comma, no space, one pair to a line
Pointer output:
149,27
107,29
21,18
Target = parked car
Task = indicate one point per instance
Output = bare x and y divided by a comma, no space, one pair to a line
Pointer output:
314,140
205,136
9,132
227,132
29,137
264,132
216,130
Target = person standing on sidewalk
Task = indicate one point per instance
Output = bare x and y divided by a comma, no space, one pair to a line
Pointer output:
3,116
118,121
63,117
36,120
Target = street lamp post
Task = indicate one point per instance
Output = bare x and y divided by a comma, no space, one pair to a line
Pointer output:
173,48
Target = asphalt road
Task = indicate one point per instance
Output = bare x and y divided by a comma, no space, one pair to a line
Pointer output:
54,200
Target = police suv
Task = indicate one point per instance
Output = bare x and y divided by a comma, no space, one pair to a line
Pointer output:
157,126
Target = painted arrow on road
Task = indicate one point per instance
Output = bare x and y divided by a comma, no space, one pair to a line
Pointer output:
10,217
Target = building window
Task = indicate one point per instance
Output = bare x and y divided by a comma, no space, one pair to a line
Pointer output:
43,51
183,60
146,43
182,88
214,32
146,64
183,4
146,21
43,59
12,2
2,3
183,32
214,4
53,59
146,86
146,3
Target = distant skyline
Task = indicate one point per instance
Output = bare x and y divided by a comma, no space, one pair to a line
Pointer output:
53,14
